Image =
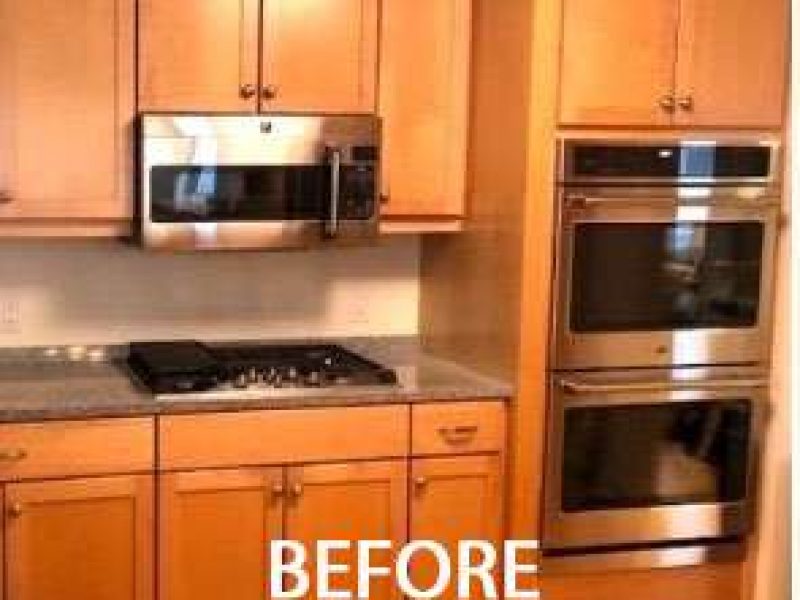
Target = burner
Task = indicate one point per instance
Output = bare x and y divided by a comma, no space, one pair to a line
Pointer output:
189,366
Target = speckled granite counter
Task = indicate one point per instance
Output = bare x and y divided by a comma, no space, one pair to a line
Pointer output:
45,384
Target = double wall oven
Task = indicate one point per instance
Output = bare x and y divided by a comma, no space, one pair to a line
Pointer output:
659,341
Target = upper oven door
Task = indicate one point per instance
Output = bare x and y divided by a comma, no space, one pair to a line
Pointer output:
659,277
637,457
219,181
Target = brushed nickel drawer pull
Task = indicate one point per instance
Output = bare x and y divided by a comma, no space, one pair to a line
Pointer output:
460,434
13,455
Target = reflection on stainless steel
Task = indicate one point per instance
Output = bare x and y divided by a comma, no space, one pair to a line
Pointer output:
643,558
210,182
649,456
664,269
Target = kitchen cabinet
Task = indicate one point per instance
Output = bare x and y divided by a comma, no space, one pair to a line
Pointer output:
662,63
424,100
80,539
268,55
215,527
207,513
67,96
452,499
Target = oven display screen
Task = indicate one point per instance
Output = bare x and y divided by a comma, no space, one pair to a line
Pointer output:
635,456
665,276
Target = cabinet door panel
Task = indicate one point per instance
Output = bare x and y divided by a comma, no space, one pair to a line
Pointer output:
454,499
320,55
424,100
66,105
349,501
732,62
84,539
196,55
617,61
215,528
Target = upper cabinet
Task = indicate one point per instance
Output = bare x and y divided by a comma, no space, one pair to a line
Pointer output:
424,100
664,63
66,104
268,55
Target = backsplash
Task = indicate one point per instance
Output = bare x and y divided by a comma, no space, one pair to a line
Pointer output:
105,292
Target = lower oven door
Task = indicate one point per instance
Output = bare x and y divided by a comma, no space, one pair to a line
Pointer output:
647,278
638,458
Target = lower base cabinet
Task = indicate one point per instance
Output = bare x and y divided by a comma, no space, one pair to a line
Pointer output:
707,582
80,539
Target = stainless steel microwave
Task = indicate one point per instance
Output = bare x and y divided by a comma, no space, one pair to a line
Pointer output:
231,182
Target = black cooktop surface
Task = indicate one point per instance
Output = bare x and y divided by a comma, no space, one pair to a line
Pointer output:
191,366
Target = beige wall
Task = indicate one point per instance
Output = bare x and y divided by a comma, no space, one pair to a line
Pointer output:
105,292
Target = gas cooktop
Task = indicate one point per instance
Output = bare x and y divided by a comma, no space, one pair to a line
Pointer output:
191,367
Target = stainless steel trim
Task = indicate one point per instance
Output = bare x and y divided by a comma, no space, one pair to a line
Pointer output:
575,387
657,524
579,201
645,558
332,226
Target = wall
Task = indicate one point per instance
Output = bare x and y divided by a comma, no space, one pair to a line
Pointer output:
104,292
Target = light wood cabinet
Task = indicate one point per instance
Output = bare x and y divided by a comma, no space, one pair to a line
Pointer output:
452,499
67,90
424,101
215,527
349,501
82,539
276,55
664,63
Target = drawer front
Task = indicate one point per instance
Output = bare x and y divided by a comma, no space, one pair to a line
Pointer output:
458,428
282,436
76,448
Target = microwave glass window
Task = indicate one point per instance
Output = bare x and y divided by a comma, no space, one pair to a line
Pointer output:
238,193
637,456
659,277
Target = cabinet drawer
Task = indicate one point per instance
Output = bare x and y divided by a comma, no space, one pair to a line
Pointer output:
282,436
458,428
75,448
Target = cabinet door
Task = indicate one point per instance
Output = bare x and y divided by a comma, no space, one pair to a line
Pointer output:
454,499
215,528
83,539
349,501
320,55
424,99
732,64
66,105
618,62
198,55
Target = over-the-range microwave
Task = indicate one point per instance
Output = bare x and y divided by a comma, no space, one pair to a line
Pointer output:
230,182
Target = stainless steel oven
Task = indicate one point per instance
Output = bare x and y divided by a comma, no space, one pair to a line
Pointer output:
664,253
645,456
211,182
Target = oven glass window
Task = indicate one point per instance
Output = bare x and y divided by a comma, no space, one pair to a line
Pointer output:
665,276
636,456
200,194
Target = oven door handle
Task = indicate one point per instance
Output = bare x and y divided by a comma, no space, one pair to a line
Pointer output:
576,387
581,201
332,223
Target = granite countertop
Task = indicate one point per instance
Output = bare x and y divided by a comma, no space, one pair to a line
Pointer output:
38,384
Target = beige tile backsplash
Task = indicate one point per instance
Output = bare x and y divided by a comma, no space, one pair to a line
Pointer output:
105,292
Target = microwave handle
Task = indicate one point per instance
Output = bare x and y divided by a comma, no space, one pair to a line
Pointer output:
575,387
332,224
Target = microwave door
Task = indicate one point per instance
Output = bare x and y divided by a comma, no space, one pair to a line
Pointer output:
647,282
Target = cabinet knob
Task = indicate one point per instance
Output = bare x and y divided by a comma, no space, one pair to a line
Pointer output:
667,103
297,490
686,103
278,490
13,455
15,510
269,92
5,197
420,483
247,91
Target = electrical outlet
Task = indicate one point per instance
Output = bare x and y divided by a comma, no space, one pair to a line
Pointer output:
9,316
